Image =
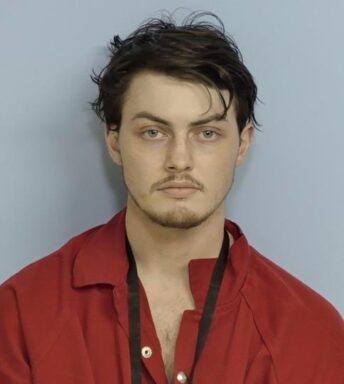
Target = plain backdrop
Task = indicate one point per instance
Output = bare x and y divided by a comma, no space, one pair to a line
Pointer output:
57,179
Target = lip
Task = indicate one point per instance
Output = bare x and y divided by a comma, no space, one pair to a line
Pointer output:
179,192
178,184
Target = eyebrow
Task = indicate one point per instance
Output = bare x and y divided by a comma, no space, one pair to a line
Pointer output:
150,116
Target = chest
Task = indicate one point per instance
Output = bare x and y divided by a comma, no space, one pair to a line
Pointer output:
167,311
167,316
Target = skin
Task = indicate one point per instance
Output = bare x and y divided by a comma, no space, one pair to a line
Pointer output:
166,232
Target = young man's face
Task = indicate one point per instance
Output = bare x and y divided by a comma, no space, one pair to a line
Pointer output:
152,153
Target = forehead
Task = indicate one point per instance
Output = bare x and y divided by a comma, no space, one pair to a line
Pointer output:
171,96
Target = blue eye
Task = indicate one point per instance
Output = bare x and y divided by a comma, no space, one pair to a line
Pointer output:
151,130
153,133
213,132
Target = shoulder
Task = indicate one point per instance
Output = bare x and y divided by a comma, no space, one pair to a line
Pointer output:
37,300
297,324
54,265
271,290
274,285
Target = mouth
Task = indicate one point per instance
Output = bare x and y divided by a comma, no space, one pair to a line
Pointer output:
179,192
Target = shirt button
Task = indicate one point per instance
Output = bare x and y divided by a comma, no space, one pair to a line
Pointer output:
146,352
181,377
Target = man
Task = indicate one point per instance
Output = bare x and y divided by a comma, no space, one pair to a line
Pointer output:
169,291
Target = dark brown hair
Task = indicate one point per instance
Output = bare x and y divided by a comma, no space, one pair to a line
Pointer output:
198,52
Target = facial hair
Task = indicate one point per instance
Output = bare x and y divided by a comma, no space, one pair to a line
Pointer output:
178,217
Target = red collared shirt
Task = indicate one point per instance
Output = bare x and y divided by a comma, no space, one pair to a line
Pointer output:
64,320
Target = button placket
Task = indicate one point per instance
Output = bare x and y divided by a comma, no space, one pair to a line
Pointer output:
185,346
154,363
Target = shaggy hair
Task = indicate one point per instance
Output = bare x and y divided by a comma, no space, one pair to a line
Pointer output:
198,52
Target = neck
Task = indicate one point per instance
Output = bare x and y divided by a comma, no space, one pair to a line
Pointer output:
167,251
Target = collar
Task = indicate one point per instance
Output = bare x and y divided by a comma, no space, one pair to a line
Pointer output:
102,259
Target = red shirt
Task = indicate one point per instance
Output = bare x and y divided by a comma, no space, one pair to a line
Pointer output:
64,320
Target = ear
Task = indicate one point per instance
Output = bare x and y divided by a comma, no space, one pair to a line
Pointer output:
246,138
112,144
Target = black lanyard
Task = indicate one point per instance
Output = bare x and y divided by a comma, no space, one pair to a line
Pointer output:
134,310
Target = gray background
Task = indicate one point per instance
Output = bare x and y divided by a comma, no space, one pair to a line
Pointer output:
57,179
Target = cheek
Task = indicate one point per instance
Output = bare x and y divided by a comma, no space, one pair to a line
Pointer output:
220,168
138,172
220,178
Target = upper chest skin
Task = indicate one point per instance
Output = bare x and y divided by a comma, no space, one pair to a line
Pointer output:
168,298
167,302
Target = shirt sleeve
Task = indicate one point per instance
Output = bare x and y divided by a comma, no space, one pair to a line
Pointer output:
14,361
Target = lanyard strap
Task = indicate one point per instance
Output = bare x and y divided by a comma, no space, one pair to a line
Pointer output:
134,310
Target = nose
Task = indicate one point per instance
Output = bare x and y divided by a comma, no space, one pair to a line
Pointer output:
179,155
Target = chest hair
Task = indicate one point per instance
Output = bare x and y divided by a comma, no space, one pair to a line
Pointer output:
167,314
